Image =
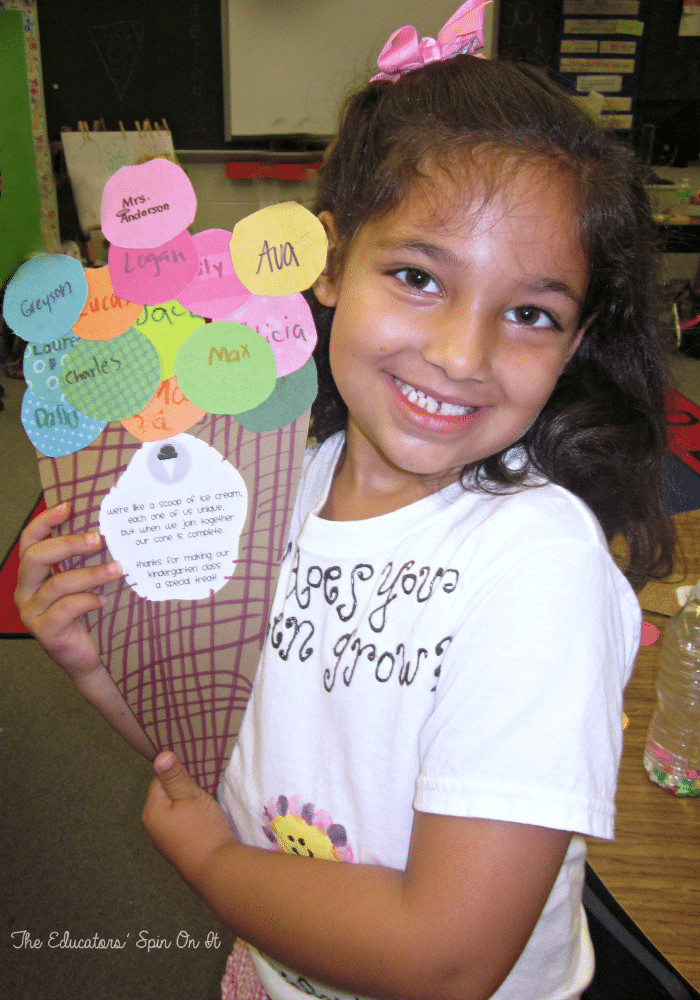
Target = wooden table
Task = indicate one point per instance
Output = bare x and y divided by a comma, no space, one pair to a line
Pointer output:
653,866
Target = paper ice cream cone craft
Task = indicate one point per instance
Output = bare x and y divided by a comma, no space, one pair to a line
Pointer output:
168,399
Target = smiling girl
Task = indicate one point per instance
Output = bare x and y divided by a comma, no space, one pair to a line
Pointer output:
435,724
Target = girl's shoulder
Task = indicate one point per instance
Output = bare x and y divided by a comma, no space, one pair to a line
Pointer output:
318,465
545,512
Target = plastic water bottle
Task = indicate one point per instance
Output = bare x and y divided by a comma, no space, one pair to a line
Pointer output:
672,753
683,192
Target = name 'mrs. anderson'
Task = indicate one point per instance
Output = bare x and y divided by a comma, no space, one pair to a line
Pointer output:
130,212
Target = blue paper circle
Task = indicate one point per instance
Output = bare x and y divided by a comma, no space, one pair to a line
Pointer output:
57,429
43,364
46,294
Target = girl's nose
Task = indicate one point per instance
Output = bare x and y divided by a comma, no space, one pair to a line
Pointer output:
460,345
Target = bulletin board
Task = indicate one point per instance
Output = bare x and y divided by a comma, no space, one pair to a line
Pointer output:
599,53
134,60
529,31
220,74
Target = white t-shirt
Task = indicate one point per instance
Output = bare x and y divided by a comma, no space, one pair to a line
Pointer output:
465,655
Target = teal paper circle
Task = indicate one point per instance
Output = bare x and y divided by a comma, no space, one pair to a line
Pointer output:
292,396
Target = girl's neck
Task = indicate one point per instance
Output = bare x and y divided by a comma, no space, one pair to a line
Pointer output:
362,488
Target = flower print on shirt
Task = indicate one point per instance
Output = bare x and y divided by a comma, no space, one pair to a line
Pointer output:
297,827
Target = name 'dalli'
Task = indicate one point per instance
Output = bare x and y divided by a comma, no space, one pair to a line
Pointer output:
58,417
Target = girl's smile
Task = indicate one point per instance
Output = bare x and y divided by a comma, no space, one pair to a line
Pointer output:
453,321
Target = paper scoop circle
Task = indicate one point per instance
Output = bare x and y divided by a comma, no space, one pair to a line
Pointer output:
147,205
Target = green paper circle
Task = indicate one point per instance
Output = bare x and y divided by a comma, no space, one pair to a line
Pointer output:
293,395
111,379
226,367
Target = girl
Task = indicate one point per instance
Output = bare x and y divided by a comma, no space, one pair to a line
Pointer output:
435,723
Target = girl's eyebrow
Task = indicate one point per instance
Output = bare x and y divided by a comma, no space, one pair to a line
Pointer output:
544,285
444,255
440,254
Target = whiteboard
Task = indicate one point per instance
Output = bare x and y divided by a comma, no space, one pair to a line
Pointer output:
289,63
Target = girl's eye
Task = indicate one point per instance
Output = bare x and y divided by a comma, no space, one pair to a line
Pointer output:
417,279
532,316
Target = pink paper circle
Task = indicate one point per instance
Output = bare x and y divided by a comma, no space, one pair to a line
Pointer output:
147,205
155,275
216,291
650,634
286,323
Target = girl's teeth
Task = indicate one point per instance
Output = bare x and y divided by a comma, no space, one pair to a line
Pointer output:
431,405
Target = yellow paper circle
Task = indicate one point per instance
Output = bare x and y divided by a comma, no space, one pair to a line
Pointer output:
279,250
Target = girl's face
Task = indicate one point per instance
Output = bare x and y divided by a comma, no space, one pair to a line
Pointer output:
453,321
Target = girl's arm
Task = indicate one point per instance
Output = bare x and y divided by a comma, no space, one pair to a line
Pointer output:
52,605
450,927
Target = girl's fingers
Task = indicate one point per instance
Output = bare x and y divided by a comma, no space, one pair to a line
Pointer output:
36,593
35,565
59,616
174,778
40,526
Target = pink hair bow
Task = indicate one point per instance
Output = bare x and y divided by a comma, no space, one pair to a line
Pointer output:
464,32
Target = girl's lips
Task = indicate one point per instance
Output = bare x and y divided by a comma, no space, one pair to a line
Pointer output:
431,412
433,403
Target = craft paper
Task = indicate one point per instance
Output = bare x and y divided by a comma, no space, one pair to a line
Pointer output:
174,520
43,364
56,428
216,291
186,667
111,380
147,205
153,275
226,367
650,634
279,250
104,314
292,396
286,324
44,297
167,326
166,414
184,656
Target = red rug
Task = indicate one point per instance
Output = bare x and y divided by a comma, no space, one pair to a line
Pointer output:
683,442
10,625
684,431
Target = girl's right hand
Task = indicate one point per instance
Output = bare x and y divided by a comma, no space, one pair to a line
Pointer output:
51,605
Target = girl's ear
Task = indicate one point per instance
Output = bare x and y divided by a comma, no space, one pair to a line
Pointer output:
326,285
574,346
578,337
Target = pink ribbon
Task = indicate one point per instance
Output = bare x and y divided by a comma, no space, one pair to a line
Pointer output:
464,32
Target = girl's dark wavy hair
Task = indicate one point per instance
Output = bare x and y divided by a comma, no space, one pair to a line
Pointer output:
602,434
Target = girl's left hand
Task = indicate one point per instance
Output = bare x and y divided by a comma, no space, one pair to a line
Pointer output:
187,826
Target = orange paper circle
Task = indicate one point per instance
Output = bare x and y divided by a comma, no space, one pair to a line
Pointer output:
104,314
166,414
